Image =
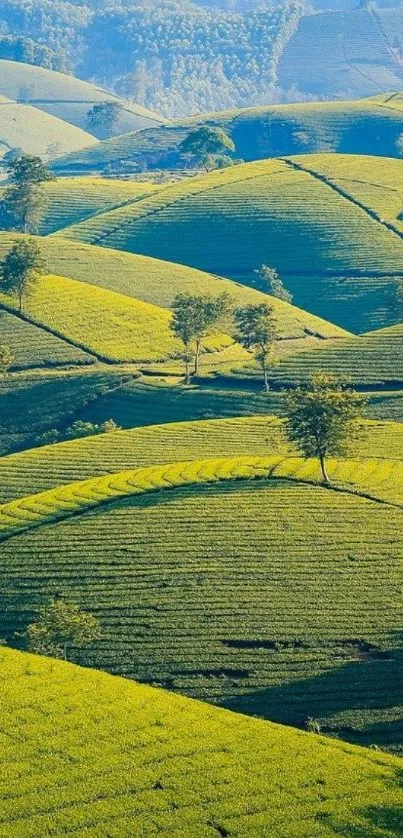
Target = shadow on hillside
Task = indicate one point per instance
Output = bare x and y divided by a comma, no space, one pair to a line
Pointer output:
354,687
389,819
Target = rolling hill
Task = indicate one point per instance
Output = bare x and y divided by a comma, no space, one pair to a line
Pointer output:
330,224
120,758
66,97
36,132
248,612
71,200
354,53
367,126
33,347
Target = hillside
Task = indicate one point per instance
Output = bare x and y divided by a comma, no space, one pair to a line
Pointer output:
71,200
328,223
367,126
66,97
36,132
354,53
208,596
150,762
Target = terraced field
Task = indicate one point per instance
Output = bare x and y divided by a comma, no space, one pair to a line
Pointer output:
35,132
351,53
152,762
72,200
367,360
111,326
367,126
66,97
50,466
32,347
34,402
338,248
247,612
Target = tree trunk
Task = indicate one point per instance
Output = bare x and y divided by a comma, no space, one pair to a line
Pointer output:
187,370
266,378
325,475
197,358
20,302
65,651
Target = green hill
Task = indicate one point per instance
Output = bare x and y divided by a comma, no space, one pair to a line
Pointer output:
66,97
147,762
33,347
367,360
329,223
71,200
36,132
356,53
367,126
50,466
227,572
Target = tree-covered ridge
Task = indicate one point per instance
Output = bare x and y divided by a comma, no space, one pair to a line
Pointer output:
171,54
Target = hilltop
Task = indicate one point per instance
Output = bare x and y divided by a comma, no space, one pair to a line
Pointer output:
66,97
36,132
207,595
367,126
329,223
148,762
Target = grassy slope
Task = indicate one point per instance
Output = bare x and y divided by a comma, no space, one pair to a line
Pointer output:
43,468
35,132
113,326
153,762
338,54
366,360
65,96
33,347
366,126
157,282
246,611
335,243
72,200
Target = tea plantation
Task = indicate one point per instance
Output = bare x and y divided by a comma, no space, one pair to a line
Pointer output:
365,126
36,132
336,241
122,759
246,613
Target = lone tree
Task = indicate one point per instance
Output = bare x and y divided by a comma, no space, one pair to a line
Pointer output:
22,265
256,329
103,117
194,318
23,198
273,284
209,147
322,418
60,626
397,300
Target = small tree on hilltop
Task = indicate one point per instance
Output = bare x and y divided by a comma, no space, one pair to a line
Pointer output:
194,318
22,265
103,117
23,199
256,330
209,147
322,418
59,626
273,284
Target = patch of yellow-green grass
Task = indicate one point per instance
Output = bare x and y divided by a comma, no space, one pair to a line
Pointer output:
199,770
70,200
382,480
335,251
50,466
112,326
67,97
32,346
38,133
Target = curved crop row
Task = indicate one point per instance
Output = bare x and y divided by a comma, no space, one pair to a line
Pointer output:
385,480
